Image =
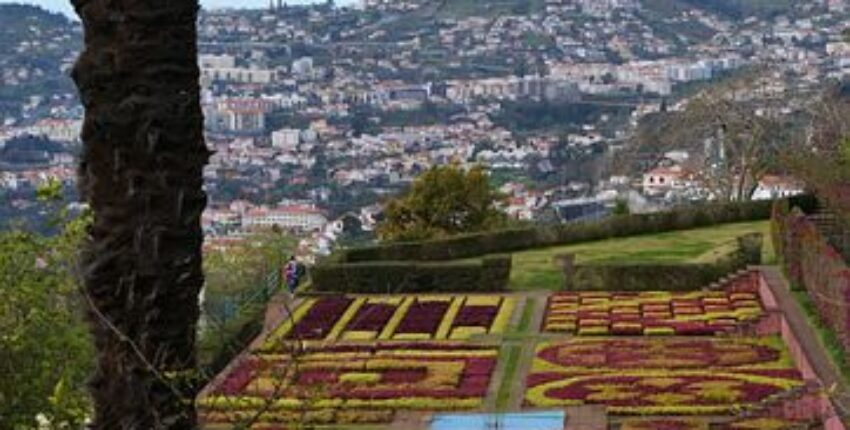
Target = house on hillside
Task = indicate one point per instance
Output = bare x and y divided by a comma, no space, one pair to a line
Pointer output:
663,179
773,187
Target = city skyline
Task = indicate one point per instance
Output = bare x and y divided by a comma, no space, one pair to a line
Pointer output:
65,7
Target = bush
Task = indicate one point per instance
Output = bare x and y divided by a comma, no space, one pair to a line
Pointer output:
513,240
483,275
666,277
645,277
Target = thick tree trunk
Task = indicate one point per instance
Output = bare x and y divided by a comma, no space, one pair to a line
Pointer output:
141,172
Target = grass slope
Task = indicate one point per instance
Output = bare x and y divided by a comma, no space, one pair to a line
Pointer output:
535,269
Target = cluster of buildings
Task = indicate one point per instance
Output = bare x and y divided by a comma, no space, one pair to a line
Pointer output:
338,108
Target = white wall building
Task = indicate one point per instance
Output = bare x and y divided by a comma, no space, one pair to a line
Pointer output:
776,187
286,139
297,217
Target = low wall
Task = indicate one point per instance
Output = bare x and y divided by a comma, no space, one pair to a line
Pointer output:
812,264
811,406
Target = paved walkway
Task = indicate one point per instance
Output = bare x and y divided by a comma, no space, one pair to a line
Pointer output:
818,357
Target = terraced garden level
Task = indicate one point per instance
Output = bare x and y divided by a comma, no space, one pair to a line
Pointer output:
401,318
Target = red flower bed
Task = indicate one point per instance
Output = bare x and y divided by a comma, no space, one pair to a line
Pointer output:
671,353
644,390
238,378
320,319
476,316
367,318
372,317
660,376
423,317
631,314
367,372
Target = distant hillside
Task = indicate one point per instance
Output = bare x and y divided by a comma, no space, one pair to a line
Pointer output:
21,22
730,8
743,8
37,42
487,8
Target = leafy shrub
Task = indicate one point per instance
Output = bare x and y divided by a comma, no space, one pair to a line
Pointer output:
487,274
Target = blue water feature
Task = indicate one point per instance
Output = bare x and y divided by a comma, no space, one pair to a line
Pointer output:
553,420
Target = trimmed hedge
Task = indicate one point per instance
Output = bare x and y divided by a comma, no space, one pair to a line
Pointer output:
488,274
666,277
507,241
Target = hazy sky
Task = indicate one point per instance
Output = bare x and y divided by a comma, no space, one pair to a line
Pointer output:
65,5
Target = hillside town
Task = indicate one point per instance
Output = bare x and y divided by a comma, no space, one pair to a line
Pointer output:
316,114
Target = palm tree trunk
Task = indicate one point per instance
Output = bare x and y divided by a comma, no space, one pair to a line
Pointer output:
141,173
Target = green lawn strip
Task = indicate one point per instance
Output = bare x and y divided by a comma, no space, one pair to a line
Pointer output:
527,315
522,326
826,336
535,269
512,357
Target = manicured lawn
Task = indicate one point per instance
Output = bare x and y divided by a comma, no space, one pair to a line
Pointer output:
509,377
535,269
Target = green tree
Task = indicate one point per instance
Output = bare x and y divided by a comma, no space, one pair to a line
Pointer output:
825,163
444,201
45,351
621,207
237,276
734,130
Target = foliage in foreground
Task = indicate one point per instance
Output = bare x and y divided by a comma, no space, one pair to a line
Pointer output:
45,350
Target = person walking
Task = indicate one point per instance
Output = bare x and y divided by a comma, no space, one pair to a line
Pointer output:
291,274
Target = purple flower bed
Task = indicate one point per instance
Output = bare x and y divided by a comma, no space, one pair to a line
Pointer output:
320,319
372,317
238,379
476,316
423,317
403,376
581,388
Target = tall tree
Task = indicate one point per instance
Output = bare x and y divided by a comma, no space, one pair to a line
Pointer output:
825,161
734,130
444,201
141,173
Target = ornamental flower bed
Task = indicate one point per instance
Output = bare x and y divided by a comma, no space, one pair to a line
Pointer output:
397,317
342,383
653,313
662,376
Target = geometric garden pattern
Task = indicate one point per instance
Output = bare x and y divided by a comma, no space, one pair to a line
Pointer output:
364,359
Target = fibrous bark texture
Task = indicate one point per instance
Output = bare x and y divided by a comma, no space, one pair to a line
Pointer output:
141,173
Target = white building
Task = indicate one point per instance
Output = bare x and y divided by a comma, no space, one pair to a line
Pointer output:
660,180
303,67
59,130
286,139
773,187
238,115
223,68
296,217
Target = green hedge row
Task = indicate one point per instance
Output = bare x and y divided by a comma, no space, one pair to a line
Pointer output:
507,241
666,277
488,274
